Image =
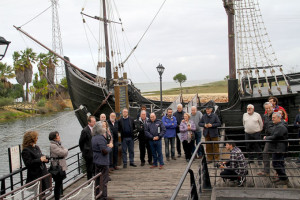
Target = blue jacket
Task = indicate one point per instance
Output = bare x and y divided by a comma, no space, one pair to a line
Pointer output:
170,124
212,119
100,150
153,129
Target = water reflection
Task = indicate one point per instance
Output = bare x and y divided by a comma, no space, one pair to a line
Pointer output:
12,133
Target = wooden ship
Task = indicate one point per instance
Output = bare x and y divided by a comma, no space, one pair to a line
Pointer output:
255,74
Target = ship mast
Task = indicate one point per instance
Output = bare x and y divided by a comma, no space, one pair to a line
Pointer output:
108,63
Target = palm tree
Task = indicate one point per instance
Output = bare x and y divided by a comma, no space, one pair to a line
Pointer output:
52,61
19,69
42,65
6,72
28,57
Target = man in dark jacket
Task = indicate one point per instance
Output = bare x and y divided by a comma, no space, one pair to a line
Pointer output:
279,132
179,117
155,130
143,140
210,121
114,128
85,146
268,126
126,128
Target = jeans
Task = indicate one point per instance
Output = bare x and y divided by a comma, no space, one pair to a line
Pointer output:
128,143
253,146
168,142
156,148
278,164
198,136
178,145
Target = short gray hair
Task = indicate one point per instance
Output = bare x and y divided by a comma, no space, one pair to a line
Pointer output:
179,105
143,111
277,114
268,103
98,130
250,105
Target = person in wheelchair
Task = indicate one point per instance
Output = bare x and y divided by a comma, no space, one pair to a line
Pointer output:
235,169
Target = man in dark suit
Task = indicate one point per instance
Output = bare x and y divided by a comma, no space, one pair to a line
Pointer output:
126,128
85,146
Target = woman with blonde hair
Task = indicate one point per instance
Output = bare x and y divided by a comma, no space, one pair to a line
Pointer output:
187,130
33,159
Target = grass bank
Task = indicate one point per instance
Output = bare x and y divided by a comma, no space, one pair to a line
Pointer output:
11,112
213,87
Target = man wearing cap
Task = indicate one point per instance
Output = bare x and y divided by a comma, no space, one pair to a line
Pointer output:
210,121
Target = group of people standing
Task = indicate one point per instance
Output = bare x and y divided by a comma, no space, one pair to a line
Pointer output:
274,126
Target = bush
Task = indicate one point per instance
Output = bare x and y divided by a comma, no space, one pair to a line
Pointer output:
41,103
6,101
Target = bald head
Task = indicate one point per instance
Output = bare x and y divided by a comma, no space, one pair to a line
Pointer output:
152,117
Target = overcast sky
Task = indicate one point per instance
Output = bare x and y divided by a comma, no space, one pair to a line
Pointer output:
188,36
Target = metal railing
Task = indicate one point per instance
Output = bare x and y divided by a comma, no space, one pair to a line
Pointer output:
74,162
40,194
203,180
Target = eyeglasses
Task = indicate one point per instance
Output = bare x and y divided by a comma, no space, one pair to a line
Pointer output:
249,108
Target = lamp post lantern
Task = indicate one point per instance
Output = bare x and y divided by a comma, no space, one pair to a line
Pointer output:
3,47
160,70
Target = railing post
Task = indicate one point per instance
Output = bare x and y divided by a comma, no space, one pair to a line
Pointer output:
78,161
194,194
3,190
206,179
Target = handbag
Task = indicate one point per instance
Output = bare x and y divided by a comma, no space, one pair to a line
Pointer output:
56,170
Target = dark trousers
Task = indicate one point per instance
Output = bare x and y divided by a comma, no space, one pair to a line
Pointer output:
229,174
143,145
58,188
90,169
278,165
102,181
178,145
266,158
115,154
188,148
253,146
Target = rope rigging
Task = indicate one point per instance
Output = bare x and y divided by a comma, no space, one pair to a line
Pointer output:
254,49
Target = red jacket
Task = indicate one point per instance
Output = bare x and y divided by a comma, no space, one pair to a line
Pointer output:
280,108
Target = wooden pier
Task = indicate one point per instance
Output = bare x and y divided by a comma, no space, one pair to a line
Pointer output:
141,182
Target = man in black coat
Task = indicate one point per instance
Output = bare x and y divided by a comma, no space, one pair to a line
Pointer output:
279,132
143,140
179,117
85,146
210,121
114,128
126,128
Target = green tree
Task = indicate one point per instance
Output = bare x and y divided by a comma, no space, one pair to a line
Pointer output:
19,69
64,82
40,87
180,78
51,62
6,72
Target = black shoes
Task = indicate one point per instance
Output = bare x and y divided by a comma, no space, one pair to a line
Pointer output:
133,165
124,166
173,158
142,163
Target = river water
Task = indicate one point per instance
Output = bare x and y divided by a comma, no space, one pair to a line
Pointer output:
12,132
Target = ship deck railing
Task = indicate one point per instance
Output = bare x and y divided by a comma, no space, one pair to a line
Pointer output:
17,178
207,177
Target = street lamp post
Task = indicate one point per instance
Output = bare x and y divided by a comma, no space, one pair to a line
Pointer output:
3,47
160,70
